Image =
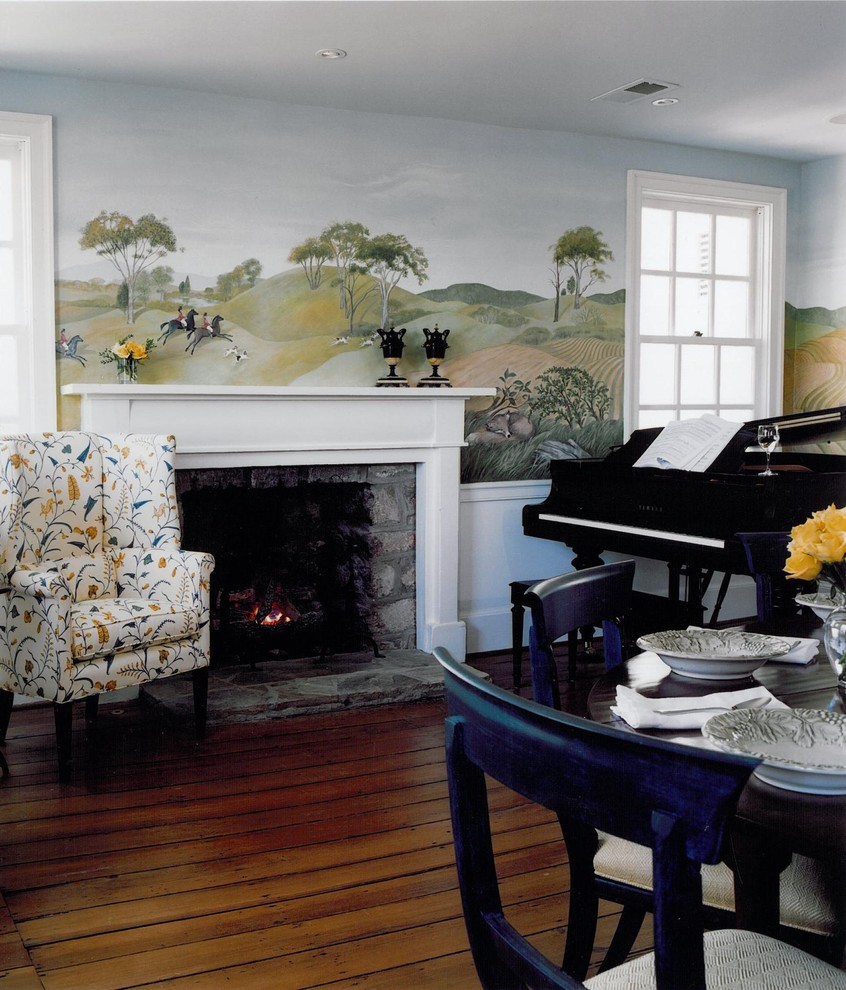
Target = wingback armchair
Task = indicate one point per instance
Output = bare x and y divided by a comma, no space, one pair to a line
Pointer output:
95,592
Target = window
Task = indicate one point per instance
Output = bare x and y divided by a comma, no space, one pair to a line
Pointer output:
704,299
27,330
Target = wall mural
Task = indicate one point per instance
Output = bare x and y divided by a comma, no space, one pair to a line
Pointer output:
814,359
556,361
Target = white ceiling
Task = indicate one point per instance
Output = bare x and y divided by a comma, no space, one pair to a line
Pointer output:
759,76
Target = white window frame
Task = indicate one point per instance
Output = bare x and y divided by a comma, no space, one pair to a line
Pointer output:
33,133
771,204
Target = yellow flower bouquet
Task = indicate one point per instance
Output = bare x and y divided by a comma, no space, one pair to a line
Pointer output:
817,549
127,353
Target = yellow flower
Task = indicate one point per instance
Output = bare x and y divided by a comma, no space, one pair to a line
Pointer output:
121,351
802,566
816,544
136,350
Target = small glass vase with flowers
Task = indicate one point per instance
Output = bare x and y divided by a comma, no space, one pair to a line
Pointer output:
817,551
126,354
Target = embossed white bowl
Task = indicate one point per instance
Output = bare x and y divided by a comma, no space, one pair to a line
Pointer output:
713,654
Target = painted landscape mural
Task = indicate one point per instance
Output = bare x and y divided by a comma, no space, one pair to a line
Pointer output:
556,363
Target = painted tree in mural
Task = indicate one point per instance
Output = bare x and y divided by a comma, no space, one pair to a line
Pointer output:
557,274
356,289
132,246
345,241
161,279
389,258
582,250
312,254
252,270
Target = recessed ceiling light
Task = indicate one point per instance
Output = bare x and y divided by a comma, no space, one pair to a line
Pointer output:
665,101
331,53
839,119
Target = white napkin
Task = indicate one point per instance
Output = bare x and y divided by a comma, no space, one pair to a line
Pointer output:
801,651
693,713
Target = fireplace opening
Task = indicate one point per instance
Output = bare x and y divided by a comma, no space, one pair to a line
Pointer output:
306,559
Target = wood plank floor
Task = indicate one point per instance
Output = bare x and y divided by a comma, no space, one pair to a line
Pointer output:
312,851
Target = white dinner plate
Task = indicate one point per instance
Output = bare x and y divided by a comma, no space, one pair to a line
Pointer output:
802,749
713,654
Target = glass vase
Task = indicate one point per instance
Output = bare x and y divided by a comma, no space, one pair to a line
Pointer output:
127,371
834,640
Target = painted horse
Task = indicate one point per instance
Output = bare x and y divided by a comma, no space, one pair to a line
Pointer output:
202,333
170,327
69,349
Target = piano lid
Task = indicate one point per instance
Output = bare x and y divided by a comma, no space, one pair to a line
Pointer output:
796,428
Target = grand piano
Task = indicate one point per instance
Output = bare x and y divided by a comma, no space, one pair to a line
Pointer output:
689,519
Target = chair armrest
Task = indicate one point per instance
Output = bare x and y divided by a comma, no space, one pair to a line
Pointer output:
41,582
178,576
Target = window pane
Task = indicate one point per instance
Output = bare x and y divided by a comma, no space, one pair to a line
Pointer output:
654,305
656,238
8,310
657,374
731,309
10,410
691,307
732,254
737,375
5,200
698,380
655,417
693,242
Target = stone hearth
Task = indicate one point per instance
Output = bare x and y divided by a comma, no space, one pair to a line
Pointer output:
278,689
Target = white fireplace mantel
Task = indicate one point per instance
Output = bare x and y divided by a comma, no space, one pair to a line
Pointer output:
228,426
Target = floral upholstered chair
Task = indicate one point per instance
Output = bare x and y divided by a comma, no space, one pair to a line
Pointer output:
95,592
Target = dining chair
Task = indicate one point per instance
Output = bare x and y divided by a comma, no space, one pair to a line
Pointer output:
766,554
96,593
674,799
623,870
562,606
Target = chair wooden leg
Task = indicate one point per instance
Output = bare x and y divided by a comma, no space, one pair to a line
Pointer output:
63,715
4,766
7,699
201,700
517,645
92,703
624,937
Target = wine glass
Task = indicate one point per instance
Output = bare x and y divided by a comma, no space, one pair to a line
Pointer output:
767,440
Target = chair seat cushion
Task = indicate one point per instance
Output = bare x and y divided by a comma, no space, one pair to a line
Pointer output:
113,625
735,960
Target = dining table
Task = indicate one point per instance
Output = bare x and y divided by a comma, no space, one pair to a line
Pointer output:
771,823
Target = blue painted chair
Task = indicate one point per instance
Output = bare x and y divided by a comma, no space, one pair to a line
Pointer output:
673,799
766,554
561,606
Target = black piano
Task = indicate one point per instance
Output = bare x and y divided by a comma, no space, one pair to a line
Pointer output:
689,519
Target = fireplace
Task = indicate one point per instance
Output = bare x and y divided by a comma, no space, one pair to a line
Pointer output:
310,561
257,426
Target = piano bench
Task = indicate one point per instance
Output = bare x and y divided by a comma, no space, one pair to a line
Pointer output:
518,608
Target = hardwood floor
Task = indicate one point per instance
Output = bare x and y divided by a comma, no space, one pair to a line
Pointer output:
312,851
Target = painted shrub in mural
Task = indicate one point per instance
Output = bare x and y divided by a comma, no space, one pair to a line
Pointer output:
556,362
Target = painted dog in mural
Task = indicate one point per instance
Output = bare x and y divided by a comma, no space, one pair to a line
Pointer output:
202,333
170,327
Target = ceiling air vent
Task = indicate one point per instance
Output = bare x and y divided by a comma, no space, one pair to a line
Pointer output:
640,89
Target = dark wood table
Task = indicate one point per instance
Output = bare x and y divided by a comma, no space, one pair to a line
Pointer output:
771,823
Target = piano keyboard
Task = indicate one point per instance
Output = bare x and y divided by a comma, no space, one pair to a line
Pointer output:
702,541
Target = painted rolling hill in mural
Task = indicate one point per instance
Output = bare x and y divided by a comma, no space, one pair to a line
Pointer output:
283,332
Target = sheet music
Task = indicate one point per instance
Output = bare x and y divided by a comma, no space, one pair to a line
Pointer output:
689,444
